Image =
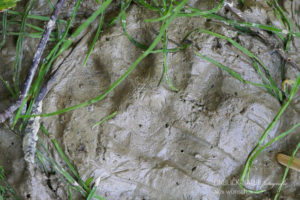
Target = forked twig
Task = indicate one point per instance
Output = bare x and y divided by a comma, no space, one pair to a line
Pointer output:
36,60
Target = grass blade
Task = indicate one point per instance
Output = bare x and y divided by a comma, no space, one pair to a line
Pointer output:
193,12
124,6
231,72
64,157
286,171
95,39
92,193
165,64
4,29
105,119
36,17
70,193
265,77
9,88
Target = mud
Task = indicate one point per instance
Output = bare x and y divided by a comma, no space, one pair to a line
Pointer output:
161,145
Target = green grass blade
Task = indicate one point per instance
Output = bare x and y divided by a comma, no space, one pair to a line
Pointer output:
147,5
62,174
36,17
56,166
19,112
276,12
125,5
31,35
289,24
88,181
4,28
242,2
286,171
64,157
164,17
9,88
39,156
199,12
105,119
98,197
231,72
289,35
118,17
266,78
193,12
92,193
157,19
265,81
51,5
173,50
278,31
165,64
70,193
95,39
5,187
294,14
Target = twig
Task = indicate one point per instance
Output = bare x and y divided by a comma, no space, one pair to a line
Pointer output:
30,137
33,126
287,59
36,60
260,33
235,11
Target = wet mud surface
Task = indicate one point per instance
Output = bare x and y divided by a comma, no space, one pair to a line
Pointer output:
190,144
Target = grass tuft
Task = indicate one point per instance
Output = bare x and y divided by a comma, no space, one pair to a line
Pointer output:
73,179
6,191
266,78
19,48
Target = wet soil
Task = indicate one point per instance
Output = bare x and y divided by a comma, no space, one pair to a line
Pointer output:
162,144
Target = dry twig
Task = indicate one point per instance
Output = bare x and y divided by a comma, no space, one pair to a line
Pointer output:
288,59
36,60
263,35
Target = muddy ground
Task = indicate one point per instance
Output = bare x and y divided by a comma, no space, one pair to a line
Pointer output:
190,144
